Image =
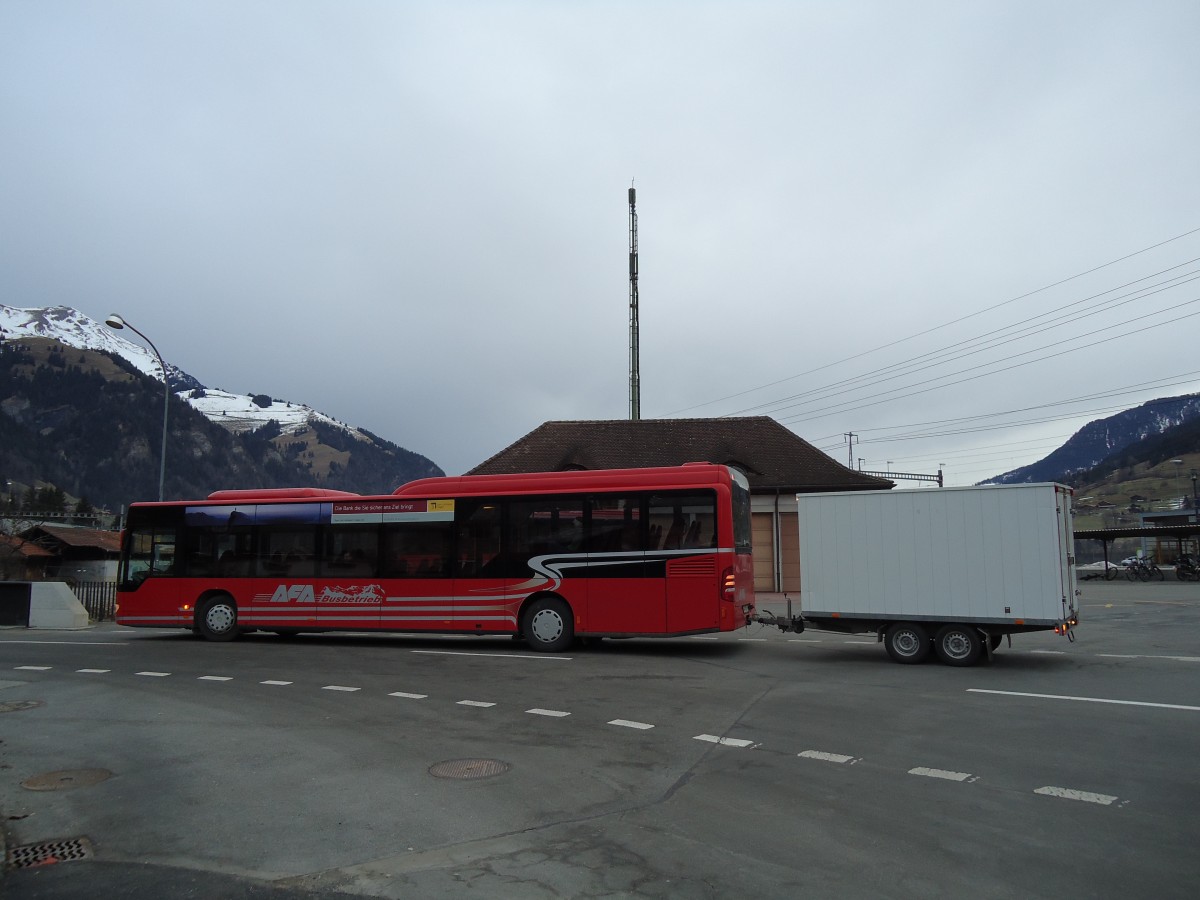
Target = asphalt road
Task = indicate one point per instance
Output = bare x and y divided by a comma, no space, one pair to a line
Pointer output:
753,764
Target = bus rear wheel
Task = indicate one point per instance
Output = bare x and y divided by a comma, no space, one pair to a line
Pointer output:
547,625
216,619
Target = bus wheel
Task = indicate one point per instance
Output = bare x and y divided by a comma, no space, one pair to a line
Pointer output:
216,618
907,642
547,625
958,645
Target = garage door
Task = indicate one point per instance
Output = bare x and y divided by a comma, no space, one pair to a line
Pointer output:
762,539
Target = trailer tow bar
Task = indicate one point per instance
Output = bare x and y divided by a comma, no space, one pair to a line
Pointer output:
784,623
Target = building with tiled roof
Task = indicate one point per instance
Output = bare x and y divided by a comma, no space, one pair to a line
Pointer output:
777,462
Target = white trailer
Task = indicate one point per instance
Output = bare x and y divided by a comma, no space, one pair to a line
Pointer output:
947,570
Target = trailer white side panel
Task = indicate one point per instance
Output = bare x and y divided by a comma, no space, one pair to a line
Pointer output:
1000,553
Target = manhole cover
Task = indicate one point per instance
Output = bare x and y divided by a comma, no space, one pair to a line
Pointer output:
18,705
467,769
48,853
66,779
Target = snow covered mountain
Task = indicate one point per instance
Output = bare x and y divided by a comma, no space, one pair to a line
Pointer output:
234,412
1103,438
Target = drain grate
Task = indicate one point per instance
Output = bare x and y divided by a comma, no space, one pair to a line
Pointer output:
66,779
48,853
18,705
469,769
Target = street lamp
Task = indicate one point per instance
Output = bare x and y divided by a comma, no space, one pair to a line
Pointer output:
1195,499
116,322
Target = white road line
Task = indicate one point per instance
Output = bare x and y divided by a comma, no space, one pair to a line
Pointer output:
860,642
724,741
82,643
1050,652
33,668
704,637
1148,656
154,674
93,671
480,703
940,773
626,723
1085,796
340,687
827,757
214,678
752,640
408,696
277,683
1120,655
1085,699
495,655
556,713
804,641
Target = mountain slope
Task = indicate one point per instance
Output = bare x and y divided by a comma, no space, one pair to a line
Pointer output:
1099,440
81,408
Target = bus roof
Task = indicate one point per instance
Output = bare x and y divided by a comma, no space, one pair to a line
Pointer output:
307,493
688,474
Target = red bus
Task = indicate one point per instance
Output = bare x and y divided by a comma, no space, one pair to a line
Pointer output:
547,556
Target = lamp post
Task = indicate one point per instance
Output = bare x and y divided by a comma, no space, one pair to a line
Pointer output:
116,322
1195,499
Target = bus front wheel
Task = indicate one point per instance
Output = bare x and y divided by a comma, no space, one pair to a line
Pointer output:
216,619
547,625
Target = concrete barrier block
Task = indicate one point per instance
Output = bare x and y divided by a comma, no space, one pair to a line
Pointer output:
53,605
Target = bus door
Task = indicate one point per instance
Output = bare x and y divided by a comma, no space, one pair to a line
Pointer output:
483,577
686,555
626,592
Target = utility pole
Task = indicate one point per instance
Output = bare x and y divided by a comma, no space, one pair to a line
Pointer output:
635,378
850,436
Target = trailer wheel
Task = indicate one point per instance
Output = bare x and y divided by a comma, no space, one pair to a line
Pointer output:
958,645
907,642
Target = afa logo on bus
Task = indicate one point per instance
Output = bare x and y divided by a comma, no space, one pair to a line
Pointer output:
303,593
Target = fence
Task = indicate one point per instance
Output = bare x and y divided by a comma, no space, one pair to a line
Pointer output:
99,598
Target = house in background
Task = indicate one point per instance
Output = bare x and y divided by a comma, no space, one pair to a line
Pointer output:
778,464
71,553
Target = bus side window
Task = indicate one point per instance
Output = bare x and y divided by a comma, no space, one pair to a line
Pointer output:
477,529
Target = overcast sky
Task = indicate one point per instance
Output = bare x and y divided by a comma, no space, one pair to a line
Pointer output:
414,217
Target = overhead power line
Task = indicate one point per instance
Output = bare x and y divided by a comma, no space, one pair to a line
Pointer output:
940,326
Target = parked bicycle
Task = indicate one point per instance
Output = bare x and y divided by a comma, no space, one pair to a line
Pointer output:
1143,570
1186,569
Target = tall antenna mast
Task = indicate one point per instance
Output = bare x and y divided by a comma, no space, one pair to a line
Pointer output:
635,378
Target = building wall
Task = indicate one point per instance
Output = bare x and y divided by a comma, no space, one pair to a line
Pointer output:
775,538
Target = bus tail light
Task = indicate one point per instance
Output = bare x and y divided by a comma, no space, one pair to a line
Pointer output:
729,583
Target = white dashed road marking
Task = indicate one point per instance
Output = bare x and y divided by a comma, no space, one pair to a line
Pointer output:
276,683
940,773
724,741
1085,796
214,678
554,713
155,674
408,696
626,723
93,671
827,757
479,703
339,687
34,668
